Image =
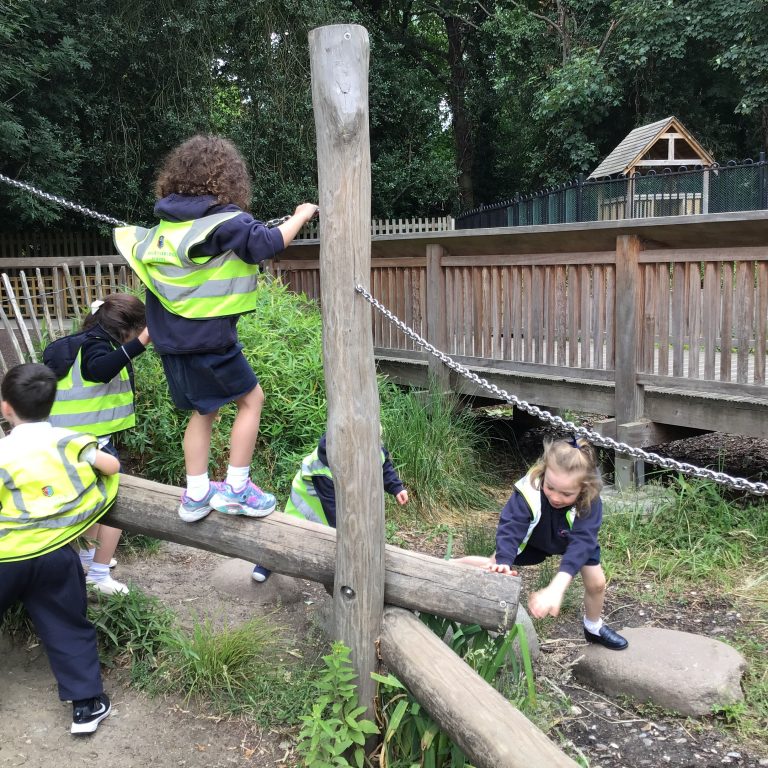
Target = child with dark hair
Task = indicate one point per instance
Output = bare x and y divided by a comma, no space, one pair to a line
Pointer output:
55,485
201,266
95,395
556,510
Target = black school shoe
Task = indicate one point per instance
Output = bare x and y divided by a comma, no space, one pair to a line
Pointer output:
88,713
607,638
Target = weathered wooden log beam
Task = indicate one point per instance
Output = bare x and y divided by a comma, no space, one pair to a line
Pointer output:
338,56
307,550
490,731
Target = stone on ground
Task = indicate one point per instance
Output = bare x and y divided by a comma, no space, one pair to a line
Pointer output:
233,577
680,671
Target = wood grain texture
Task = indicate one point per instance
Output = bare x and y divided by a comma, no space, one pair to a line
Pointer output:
308,550
490,731
339,65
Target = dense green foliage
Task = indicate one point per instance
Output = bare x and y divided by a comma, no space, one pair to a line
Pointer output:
436,446
469,102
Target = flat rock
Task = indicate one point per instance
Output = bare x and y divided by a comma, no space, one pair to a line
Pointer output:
690,674
233,577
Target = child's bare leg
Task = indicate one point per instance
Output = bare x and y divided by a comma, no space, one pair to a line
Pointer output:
197,442
245,428
593,577
98,571
108,539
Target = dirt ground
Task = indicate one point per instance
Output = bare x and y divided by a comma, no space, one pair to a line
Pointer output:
164,733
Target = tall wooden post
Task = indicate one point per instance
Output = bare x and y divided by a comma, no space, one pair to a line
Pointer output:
629,311
339,64
436,323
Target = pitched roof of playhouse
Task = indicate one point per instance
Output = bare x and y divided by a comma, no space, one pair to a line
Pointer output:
665,143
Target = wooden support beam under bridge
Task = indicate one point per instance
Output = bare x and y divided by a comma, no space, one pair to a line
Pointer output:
491,732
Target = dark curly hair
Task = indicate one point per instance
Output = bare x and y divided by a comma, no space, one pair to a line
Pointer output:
206,165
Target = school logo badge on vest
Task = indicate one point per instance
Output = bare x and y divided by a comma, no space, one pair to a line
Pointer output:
48,490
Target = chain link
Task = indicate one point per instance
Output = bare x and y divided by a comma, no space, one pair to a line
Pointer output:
721,478
62,201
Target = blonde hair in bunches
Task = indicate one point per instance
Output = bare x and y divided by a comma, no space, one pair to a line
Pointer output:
574,456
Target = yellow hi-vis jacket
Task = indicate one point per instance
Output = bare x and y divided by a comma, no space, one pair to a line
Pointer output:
93,407
192,287
303,502
532,496
49,496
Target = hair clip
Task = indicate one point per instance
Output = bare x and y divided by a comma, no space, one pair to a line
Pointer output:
573,441
95,306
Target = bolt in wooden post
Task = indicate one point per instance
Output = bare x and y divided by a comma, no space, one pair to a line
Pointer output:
339,64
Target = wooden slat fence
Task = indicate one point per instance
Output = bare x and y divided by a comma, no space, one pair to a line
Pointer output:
555,313
41,298
59,245
550,313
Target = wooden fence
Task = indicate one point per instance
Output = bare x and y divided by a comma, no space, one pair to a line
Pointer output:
604,317
654,322
43,245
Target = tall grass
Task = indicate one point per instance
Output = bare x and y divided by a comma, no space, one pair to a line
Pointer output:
439,450
695,534
434,443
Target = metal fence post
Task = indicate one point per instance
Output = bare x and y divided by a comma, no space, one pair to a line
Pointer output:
763,171
579,197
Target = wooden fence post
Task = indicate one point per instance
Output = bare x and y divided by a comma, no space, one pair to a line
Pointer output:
628,393
436,321
339,65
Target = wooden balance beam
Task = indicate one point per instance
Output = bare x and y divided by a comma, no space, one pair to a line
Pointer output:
307,550
492,733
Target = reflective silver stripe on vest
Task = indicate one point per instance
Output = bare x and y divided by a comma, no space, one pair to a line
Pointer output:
196,229
210,289
301,505
84,419
116,386
59,521
199,227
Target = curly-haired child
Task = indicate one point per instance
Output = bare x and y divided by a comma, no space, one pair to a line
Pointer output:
201,265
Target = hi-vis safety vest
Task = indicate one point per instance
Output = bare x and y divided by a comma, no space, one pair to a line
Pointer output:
303,502
49,496
532,496
93,407
193,287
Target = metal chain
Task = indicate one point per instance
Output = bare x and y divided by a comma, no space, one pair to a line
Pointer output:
759,489
88,211
62,201
721,478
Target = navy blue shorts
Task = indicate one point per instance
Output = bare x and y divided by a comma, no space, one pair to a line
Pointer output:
533,556
206,381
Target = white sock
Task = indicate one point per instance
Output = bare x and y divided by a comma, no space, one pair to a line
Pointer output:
86,556
98,571
593,626
197,486
237,477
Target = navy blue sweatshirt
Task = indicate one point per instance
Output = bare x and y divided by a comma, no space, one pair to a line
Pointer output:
251,241
552,534
327,493
102,356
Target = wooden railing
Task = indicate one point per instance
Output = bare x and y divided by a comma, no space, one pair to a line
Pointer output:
702,312
600,316
42,245
660,324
